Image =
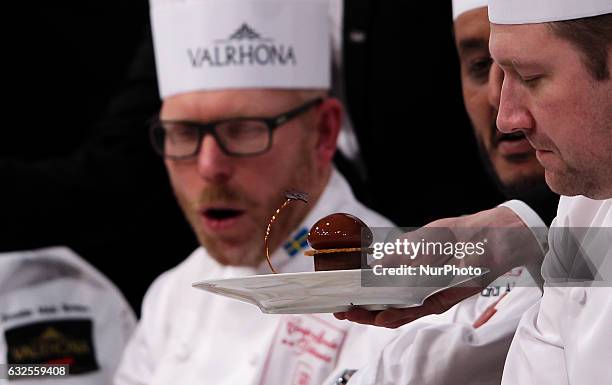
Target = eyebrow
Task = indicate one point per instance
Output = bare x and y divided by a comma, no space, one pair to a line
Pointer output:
517,63
473,44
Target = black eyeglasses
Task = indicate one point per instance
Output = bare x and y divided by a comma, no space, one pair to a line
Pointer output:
236,137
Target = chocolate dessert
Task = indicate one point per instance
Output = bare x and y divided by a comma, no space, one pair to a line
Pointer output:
338,241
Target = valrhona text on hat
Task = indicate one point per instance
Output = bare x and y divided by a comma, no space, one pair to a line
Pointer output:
245,47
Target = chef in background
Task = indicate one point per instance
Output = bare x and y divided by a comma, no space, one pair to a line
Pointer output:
246,116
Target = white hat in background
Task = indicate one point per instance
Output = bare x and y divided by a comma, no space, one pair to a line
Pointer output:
56,307
543,11
226,44
462,6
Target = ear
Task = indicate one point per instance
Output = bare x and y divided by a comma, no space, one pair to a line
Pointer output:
328,124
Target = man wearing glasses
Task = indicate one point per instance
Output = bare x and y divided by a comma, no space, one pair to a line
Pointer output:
245,117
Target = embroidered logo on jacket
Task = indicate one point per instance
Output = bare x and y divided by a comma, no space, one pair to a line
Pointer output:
53,342
304,351
298,243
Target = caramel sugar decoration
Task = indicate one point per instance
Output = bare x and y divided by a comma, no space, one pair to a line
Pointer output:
290,196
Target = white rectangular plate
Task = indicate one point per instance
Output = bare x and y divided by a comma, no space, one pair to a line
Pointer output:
321,292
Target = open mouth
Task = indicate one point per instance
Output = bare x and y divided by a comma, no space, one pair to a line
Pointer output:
514,147
514,137
221,214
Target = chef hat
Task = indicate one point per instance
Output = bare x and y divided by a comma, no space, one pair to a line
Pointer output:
543,11
225,44
462,6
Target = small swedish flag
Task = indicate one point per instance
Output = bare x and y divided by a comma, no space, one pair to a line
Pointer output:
298,242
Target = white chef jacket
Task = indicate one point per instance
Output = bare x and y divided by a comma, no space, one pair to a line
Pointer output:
187,336
57,308
566,338
446,348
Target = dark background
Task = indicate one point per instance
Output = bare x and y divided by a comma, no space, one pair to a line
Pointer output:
76,167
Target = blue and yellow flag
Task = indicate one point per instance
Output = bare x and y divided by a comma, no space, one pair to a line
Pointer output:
299,242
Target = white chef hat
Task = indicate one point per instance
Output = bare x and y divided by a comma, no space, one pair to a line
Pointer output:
543,11
462,6
225,44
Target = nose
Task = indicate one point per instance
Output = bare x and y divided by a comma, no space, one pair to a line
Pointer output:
513,113
213,164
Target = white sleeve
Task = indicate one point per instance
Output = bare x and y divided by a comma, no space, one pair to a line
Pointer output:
143,351
537,227
442,354
531,219
449,353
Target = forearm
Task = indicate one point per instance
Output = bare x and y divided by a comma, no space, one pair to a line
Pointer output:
512,238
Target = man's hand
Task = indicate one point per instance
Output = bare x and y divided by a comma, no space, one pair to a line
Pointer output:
510,244
394,318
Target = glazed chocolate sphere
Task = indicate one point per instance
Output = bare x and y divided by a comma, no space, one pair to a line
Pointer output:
337,231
